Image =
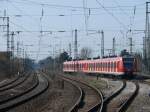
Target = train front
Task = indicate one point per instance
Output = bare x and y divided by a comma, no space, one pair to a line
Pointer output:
128,65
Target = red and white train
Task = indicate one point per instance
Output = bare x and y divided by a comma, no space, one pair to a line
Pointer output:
118,66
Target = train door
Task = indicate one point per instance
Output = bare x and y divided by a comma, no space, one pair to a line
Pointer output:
115,68
108,66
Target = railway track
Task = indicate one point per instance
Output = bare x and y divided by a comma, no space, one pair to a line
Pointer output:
75,107
14,83
90,100
120,100
23,90
8,81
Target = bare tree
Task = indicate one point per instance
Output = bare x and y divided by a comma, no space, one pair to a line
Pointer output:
85,53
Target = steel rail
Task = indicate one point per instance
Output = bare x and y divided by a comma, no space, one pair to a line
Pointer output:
14,84
75,107
22,93
126,104
97,106
26,96
109,98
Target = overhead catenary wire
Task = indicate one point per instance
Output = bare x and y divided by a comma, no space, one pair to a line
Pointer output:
117,20
52,31
60,15
30,2
21,11
20,26
121,9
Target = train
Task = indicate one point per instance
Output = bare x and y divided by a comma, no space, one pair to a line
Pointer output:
121,66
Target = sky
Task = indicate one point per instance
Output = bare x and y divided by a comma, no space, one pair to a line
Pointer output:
46,27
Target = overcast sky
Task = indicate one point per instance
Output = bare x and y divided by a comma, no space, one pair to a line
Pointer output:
114,17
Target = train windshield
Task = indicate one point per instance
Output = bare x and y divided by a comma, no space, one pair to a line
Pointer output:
128,62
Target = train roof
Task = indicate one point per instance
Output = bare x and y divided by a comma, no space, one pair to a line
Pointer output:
96,60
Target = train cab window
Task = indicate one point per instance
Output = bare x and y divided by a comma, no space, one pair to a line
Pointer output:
128,62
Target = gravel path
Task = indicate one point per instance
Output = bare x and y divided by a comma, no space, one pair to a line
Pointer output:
91,97
116,102
142,102
56,99
107,86
61,99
